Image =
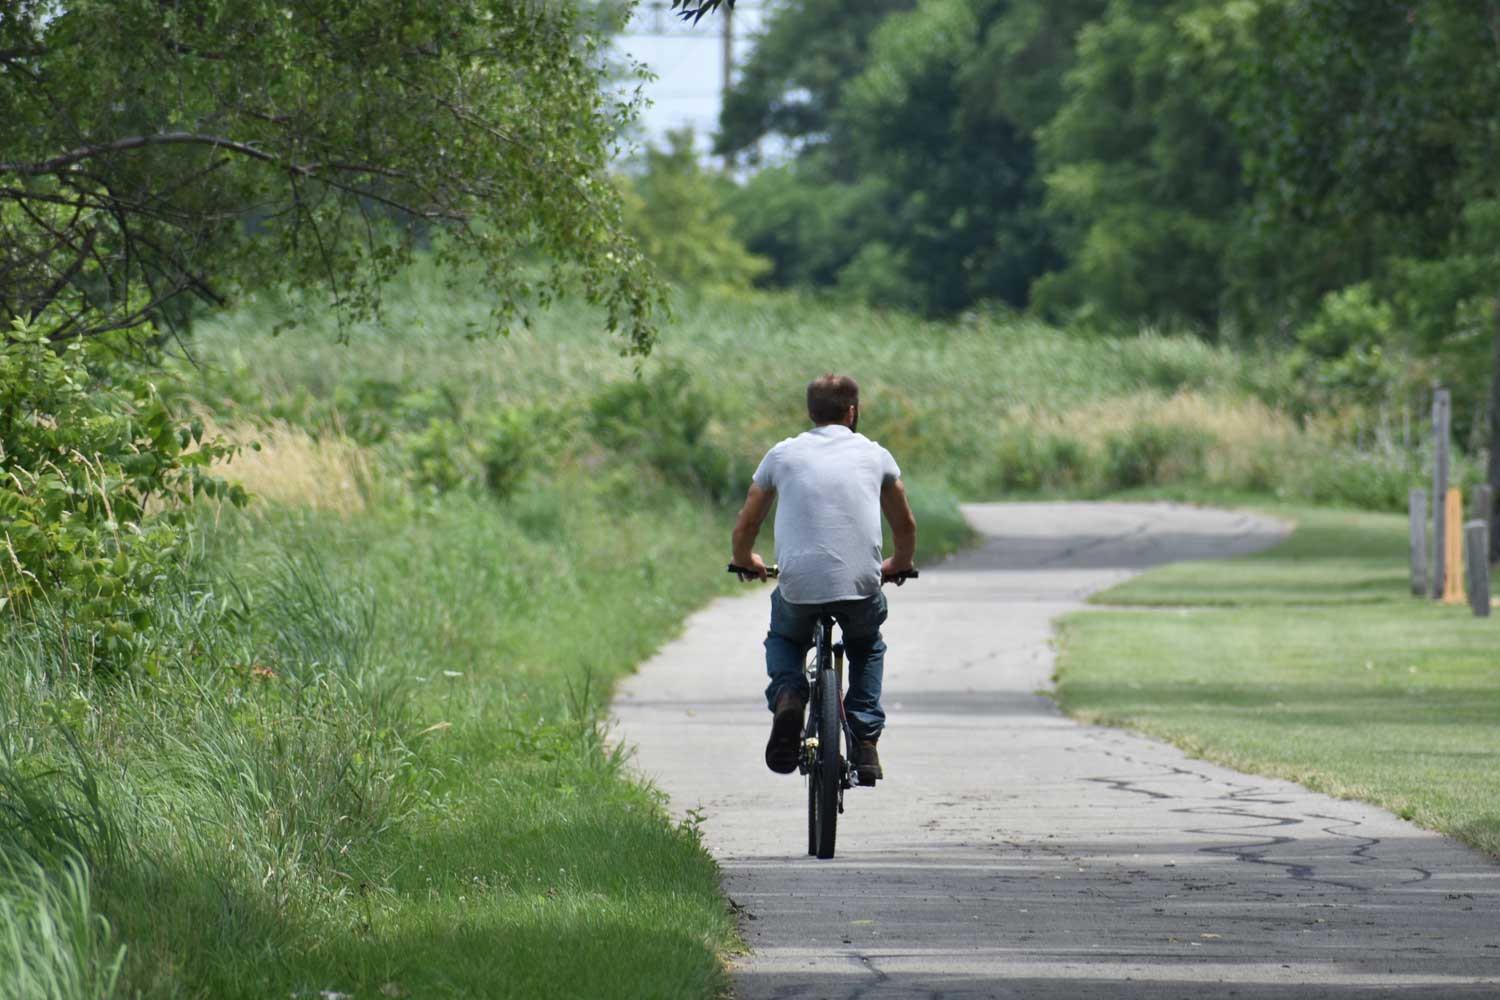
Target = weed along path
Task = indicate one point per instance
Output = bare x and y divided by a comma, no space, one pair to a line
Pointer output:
1014,853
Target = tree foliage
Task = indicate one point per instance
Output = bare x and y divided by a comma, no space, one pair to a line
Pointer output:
1378,125
675,209
155,152
1143,174
915,182
790,89
1186,162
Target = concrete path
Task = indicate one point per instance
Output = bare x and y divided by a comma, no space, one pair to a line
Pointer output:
1014,853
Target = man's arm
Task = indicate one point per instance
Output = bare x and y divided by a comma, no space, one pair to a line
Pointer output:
747,526
903,527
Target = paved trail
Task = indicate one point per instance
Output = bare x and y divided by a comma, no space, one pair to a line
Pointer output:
1014,853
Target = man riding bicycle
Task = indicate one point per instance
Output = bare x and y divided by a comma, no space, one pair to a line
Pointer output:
833,484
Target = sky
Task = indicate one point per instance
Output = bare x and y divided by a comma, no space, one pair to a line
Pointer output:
687,62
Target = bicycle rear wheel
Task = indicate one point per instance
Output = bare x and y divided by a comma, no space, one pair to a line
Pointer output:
824,797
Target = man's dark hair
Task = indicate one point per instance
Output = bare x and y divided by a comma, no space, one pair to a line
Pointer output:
829,398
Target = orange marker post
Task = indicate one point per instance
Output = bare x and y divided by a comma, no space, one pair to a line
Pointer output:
1453,549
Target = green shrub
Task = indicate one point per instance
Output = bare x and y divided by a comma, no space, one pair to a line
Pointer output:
1372,479
880,276
1033,462
491,453
372,410
96,473
436,459
1150,454
506,448
1340,355
1170,364
664,420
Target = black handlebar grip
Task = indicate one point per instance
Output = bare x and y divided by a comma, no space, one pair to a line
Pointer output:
746,573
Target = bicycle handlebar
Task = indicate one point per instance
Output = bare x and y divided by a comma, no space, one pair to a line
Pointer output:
746,573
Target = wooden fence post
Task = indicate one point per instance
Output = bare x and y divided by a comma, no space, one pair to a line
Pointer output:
1476,534
1441,420
1417,529
1482,503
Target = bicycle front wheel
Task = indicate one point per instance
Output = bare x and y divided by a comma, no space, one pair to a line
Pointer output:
813,784
825,771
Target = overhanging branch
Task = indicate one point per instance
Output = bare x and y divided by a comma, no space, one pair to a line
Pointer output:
59,163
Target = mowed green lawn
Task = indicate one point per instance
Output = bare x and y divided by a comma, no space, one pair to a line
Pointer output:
1312,662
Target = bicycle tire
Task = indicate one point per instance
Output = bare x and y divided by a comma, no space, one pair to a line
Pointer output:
812,812
814,781
826,767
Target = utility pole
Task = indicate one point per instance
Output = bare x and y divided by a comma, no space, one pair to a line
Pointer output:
726,20
1493,472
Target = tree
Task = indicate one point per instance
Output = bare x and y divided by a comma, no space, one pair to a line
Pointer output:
914,181
675,209
791,86
1377,125
155,152
959,173
1143,170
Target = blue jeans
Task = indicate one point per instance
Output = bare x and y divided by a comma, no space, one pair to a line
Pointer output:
790,638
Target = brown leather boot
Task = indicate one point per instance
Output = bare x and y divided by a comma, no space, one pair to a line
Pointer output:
867,761
785,743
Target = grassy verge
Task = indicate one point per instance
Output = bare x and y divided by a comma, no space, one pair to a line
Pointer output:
1333,557
1309,662
370,764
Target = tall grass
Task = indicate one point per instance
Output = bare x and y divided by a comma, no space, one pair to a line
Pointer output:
53,943
369,759
985,407
232,779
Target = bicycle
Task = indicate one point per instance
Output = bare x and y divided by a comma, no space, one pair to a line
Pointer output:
829,771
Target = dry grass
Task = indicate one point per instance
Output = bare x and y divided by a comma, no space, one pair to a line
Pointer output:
1238,421
282,464
1245,431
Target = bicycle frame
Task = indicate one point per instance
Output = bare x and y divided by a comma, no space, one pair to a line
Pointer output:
827,654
